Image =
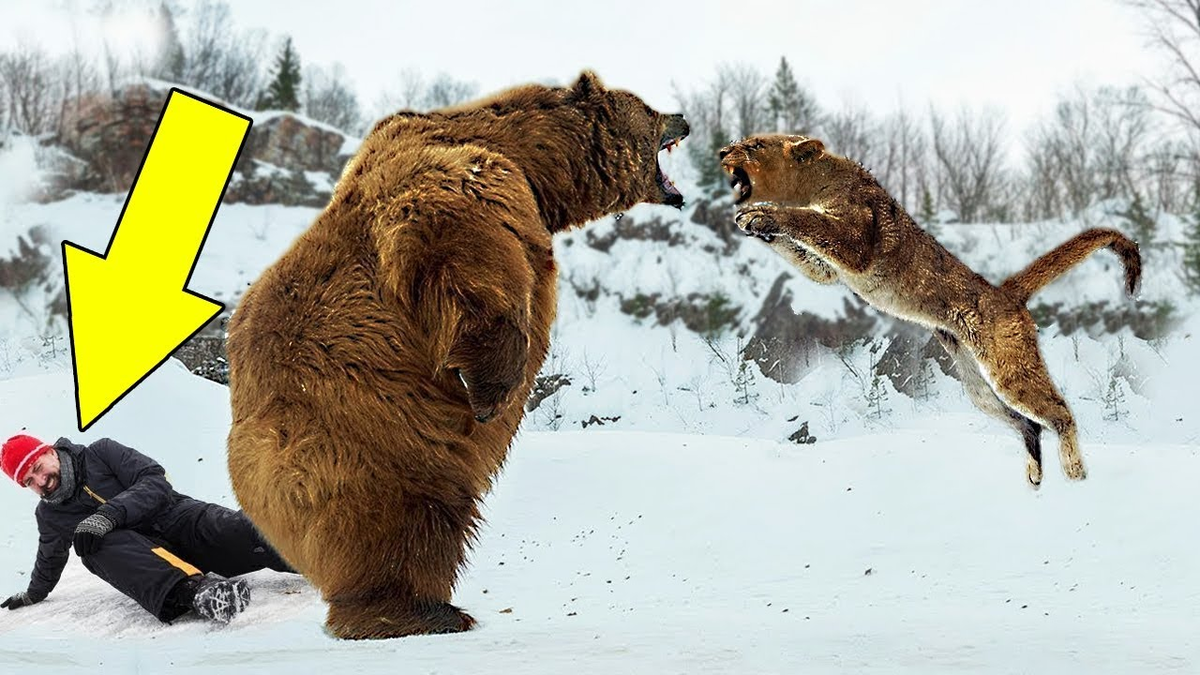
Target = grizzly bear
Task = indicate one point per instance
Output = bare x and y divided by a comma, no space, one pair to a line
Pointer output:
378,369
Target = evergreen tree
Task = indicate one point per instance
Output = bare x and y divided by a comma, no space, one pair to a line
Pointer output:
1191,247
284,91
170,62
927,216
1141,223
711,177
792,109
783,95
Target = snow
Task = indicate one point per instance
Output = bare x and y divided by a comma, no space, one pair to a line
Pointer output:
909,550
18,166
349,143
689,535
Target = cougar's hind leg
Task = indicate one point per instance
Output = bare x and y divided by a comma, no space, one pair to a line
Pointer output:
985,398
1017,372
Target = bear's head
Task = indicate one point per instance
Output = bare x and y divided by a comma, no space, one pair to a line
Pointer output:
627,137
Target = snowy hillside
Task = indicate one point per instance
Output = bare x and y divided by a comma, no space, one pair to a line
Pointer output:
655,517
669,378
917,549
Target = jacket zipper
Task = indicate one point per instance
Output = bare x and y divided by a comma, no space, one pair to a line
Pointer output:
94,495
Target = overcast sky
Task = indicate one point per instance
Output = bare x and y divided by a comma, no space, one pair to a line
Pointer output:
1015,54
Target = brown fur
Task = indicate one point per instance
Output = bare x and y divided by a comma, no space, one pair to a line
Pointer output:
832,219
378,368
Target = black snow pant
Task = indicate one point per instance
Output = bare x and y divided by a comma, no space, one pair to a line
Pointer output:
193,538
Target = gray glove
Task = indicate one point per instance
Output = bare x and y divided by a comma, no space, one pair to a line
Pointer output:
89,531
19,600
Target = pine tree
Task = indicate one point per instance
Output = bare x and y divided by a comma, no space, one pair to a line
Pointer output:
284,91
743,379
783,95
792,109
1191,247
170,61
927,216
711,177
1114,395
877,394
1141,223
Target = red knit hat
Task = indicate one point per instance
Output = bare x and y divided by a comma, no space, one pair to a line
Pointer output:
19,454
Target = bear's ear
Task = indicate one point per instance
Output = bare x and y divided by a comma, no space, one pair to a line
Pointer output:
587,85
805,149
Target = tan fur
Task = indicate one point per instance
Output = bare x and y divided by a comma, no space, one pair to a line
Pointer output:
832,219
379,367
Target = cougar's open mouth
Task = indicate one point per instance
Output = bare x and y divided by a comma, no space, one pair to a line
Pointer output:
739,180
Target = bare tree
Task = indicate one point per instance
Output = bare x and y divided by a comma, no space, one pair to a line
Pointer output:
31,90
445,91
1124,125
5,127
1168,180
902,158
1068,138
1091,148
328,97
414,93
114,71
747,91
221,60
706,111
405,95
78,78
970,155
853,132
1004,203
1174,29
1043,193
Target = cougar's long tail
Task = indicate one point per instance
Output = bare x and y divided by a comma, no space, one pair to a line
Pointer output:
1052,265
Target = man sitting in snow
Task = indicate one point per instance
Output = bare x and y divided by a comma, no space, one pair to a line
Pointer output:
167,551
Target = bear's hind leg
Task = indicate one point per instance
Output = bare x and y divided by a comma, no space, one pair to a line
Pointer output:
399,577
388,614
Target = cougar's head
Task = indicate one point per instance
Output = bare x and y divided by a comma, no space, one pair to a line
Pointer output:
773,168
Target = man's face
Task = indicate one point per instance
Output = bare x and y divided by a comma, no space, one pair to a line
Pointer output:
43,476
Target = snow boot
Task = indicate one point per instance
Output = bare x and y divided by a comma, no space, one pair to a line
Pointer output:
219,599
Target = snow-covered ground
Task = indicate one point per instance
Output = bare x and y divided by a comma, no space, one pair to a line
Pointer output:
685,534
915,549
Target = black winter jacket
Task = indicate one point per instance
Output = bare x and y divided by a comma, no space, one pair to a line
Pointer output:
123,484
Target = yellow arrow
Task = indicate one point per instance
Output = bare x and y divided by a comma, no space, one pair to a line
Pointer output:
130,309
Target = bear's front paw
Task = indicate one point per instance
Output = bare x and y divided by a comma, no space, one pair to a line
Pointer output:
489,361
487,396
759,220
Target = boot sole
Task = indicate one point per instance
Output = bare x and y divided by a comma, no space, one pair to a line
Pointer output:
221,601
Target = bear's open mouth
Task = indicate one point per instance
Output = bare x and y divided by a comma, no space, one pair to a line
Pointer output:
740,182
670,193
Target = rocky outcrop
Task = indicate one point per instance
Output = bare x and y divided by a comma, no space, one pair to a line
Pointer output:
295,143
784,344
109,134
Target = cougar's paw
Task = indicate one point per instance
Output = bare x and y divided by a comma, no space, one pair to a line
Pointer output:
759,220
1033,473
1073,467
